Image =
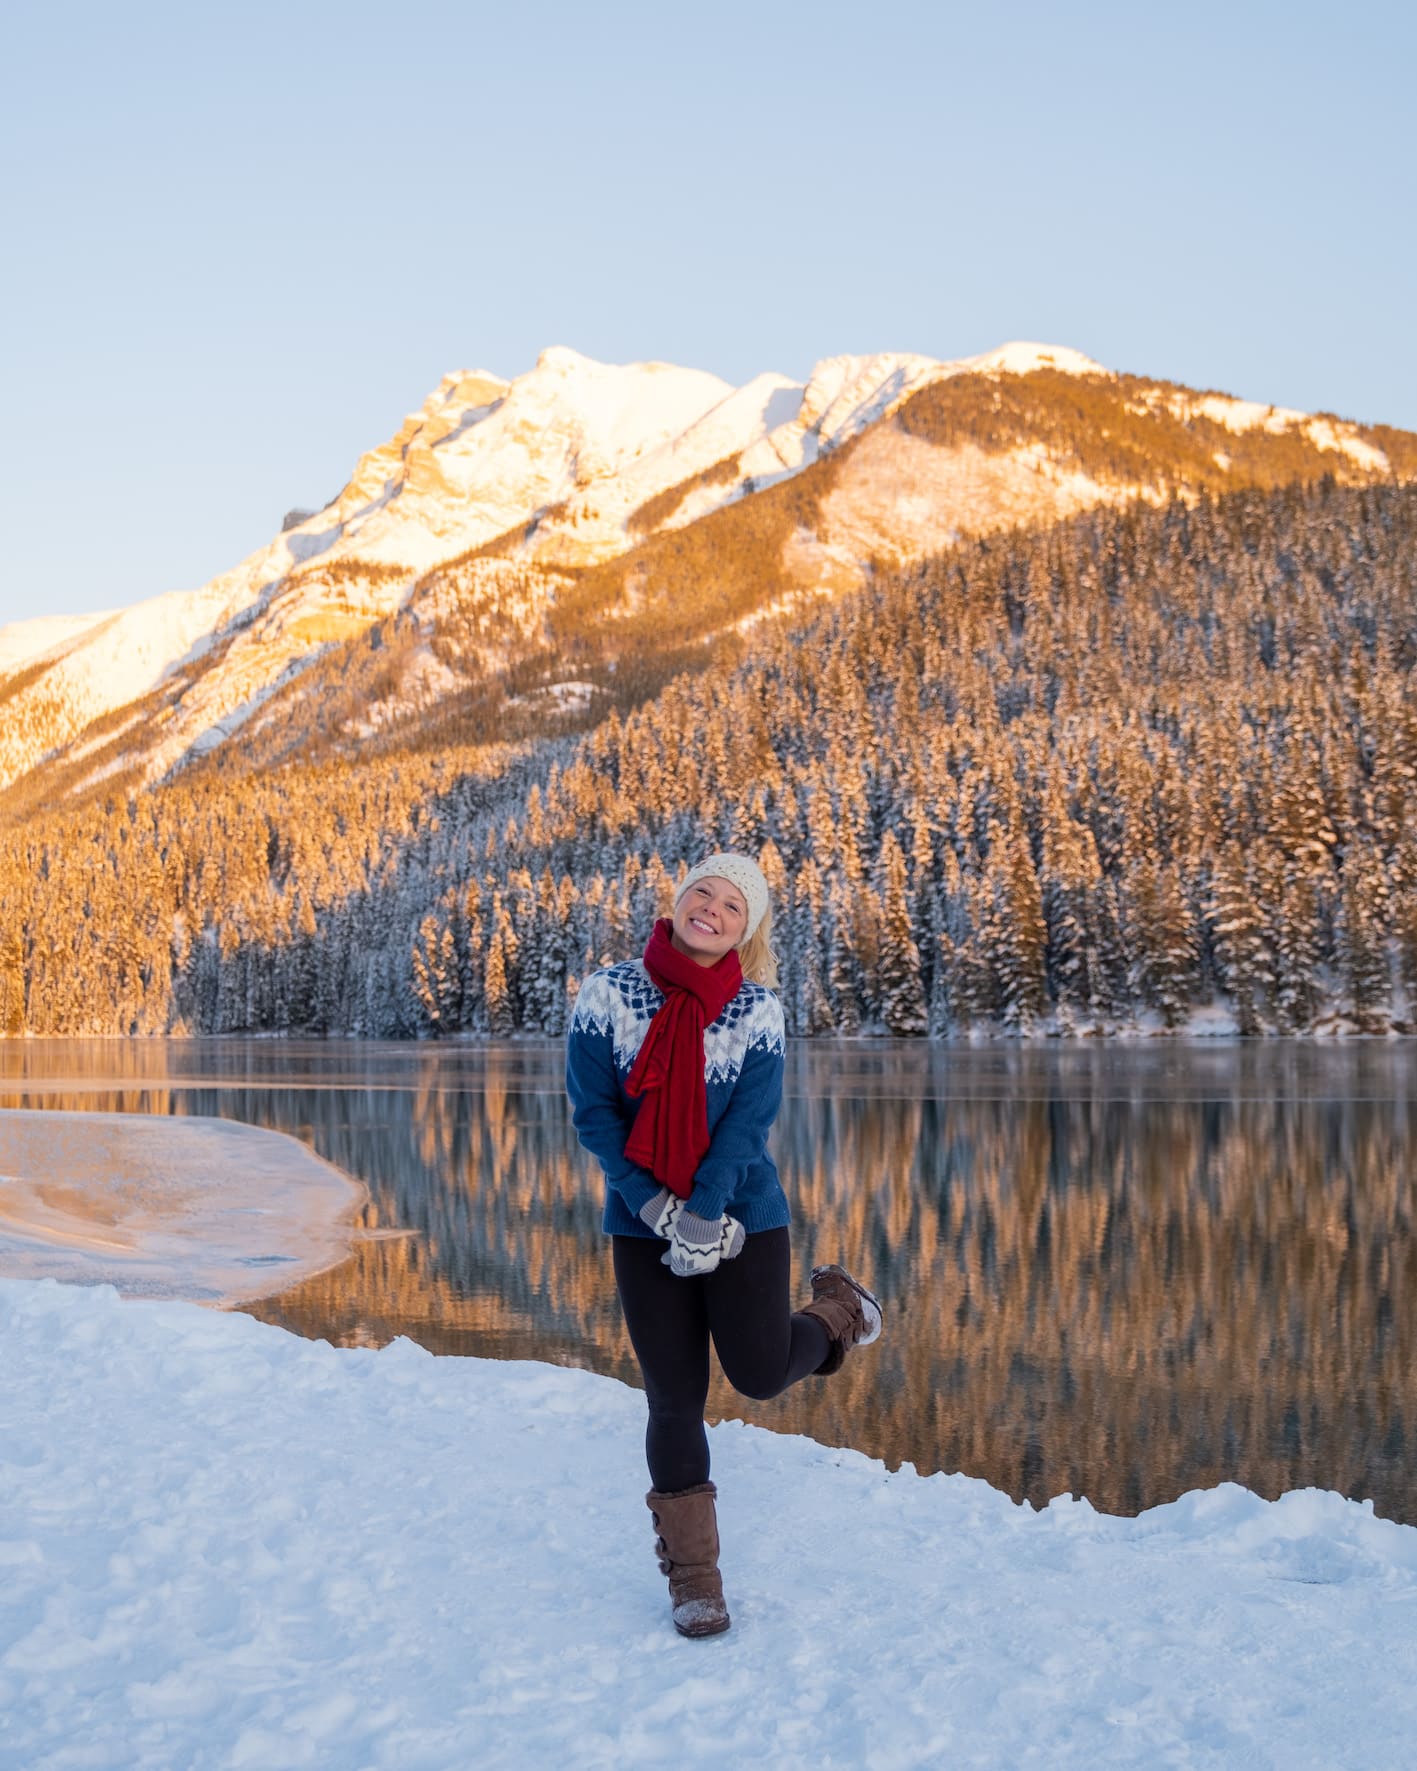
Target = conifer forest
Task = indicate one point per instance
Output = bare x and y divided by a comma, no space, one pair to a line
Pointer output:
1154,764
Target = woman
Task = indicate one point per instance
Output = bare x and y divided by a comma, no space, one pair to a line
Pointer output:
674,1068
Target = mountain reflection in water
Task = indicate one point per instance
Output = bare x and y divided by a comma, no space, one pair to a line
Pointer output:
1120,1271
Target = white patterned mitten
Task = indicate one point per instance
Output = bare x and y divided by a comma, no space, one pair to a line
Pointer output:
662,1212
697,1245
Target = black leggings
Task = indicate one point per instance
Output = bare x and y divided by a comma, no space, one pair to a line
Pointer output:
745,1306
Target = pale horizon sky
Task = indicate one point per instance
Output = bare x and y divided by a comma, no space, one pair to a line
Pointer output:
242,243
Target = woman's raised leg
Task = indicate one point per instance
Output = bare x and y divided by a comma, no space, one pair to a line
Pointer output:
763,1345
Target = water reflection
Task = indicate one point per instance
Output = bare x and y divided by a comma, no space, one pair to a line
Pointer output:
1120,1271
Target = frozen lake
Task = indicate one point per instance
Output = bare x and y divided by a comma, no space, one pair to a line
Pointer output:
1120,1270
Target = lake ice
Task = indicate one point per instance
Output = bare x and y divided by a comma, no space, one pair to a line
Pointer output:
166,1207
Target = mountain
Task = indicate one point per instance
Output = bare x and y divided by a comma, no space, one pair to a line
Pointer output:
1147,769
523,555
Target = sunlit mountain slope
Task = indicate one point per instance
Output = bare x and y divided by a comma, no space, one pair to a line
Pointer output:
522,555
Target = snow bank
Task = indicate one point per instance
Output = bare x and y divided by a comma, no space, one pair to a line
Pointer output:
223,1546
193,1208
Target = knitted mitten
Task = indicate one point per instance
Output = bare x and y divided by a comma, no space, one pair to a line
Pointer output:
697,1245
661,1211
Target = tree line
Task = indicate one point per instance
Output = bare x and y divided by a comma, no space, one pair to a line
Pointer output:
1146,764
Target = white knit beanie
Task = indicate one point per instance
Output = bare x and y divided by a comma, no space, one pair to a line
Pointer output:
739,870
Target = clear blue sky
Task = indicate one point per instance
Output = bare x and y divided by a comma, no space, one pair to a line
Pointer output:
242,241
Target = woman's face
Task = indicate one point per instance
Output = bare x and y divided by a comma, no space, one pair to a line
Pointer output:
711,917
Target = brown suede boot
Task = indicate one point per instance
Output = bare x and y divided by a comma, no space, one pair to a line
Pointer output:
849,1313
688,1553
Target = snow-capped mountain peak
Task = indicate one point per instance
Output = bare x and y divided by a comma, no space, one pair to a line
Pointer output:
492,496
1018,358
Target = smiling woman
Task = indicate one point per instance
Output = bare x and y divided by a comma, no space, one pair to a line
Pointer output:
709,918
674,1067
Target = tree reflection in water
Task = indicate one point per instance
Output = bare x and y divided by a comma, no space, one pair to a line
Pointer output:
1118,1271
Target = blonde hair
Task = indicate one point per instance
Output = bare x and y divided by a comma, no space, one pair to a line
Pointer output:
757,955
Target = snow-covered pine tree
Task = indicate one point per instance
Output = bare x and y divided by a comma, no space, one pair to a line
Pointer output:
1295,937
1162,943
501,1016
774,870
967,989
12,983
471,957
1243,960
1404,922
843,970
657,891
1015,934
1071,876
806,989
1363,946
334,1007
434,974
902,997
544,962
820,818
1294,875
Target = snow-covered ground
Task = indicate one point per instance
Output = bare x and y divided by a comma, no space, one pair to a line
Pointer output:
224,1546
168,1208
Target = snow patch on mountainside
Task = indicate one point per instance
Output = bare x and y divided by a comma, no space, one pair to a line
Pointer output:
26,642
1333,436
1326,435
906,497
424,681
593,525
104,667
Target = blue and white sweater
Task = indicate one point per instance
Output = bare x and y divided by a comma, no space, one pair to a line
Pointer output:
744,1051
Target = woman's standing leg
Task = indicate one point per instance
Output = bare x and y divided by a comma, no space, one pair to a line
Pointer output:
763,1345
668,1323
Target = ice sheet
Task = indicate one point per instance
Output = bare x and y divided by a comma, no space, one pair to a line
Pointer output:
200,1209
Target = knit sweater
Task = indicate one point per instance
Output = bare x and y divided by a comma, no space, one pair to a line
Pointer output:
743,1062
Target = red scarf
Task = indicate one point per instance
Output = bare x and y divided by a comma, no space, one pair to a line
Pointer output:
670,1134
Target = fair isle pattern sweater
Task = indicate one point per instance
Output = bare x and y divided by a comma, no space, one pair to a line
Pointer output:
743,1061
